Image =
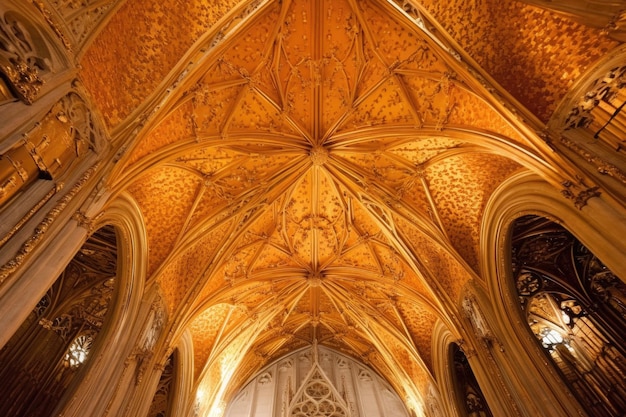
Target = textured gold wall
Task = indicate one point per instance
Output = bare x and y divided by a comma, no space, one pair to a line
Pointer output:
140,45
532,53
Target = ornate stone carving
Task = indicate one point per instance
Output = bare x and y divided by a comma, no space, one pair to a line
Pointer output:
578,194
88,223
58,187
604,89
50,20
49,149
318,397
144,351
432,403
82,16
265,378
161,398
20,60
481,328
601,165
12,265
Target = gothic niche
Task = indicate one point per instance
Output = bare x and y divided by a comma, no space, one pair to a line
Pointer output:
576,308
164,393
55,342
24,59
467,389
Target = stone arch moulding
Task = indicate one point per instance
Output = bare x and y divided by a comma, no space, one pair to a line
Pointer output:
91,394
442,339
597,226
183,382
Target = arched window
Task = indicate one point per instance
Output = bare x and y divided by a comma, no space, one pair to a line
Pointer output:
576,308
467,389
55,342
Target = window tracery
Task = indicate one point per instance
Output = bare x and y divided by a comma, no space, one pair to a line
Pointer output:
23,58
41,359
317,398
77,351
574,305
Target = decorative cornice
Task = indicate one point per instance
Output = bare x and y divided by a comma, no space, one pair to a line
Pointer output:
31,243
58,187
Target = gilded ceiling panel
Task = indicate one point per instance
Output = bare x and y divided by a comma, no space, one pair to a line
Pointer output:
416,374
385,104
213,106
176,127
418,151
139,46
461,185
420,323
532,53
181,273
358,253
256,112
397,43
397,178
338,62
469,110
165,197
205,329
441,269
396,268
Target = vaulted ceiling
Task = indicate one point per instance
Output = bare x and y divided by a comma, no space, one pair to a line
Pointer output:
319,169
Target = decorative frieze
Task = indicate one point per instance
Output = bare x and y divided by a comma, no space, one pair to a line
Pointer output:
31,243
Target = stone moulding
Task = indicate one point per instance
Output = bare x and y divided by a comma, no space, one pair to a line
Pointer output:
32,242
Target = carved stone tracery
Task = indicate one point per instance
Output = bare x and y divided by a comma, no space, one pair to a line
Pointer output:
82,16
41,359
574,305
22,62
163,395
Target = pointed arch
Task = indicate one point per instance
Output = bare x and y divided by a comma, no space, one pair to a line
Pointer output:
596,225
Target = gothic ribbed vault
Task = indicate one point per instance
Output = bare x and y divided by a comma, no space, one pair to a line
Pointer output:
317,170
